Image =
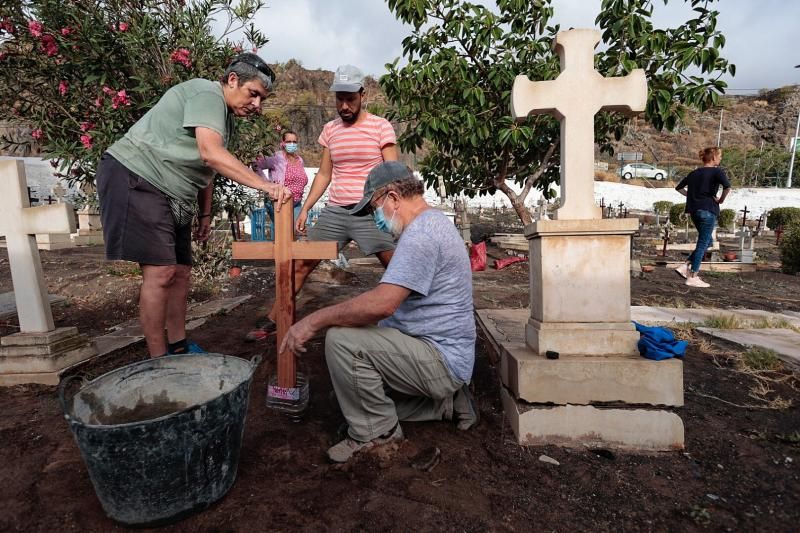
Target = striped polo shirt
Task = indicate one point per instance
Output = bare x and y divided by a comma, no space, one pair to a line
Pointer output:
355,150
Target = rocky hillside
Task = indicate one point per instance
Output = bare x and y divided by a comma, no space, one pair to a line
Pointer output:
746,122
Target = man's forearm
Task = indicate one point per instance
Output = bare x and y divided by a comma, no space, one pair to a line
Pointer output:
223,162
204,199
724,195
318,186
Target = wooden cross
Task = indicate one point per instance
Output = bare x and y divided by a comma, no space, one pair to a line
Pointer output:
284,251
20,223
574,98
744,216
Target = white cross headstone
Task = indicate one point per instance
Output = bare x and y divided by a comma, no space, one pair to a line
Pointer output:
20,223
574,98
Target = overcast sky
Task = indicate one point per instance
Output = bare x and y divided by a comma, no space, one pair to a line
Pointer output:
762,35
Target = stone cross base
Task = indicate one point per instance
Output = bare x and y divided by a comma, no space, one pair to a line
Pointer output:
53,241
580,287
87,238
586,426
42,357
582,401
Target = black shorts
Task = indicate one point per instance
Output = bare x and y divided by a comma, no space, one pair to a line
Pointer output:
137,220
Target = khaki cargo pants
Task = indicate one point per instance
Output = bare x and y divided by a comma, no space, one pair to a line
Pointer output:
381,375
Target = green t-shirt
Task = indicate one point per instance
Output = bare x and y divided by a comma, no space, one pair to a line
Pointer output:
161,147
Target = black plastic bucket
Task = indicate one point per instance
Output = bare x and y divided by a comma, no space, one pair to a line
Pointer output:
161,438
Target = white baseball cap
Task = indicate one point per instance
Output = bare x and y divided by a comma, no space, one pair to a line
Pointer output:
347,79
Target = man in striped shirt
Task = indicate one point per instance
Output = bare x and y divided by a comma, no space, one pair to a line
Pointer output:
352,145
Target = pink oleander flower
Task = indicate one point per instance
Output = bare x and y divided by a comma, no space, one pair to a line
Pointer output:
119,99
123,27
49,45
86,141
98,102
108,90
238,49
6,25
63,87
35,27
278,127
86,126
66,31
37,134
181,55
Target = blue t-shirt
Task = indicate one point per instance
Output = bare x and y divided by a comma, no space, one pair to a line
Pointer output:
431,260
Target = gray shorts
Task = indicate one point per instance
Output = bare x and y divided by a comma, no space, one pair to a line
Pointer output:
137,220
336,224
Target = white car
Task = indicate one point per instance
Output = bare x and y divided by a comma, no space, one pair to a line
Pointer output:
642,170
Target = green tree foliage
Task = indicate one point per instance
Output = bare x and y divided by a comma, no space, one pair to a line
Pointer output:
81,72
783,216
756,167
662,207
790,250
726,218
454,92
677,214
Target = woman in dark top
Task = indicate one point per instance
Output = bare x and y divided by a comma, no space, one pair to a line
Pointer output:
702,205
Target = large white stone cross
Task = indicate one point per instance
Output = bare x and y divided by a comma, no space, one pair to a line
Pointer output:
574,97
20,223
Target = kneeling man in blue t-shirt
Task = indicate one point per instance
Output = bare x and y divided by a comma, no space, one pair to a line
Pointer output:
416,363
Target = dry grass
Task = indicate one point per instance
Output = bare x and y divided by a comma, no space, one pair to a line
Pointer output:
602,175
723,322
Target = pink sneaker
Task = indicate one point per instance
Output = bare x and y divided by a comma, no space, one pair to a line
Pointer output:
695,281
683,271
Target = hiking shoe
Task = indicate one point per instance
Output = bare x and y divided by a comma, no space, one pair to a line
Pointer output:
683,271
191,347
695,281
347,448
465,412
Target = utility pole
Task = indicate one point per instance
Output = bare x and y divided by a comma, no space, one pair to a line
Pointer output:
793,144
719,133
758,168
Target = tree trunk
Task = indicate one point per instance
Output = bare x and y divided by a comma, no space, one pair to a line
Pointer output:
522,211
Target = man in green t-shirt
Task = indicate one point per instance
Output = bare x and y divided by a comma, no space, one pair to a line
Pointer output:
152,180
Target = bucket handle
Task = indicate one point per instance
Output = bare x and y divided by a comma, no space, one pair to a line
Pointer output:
62,389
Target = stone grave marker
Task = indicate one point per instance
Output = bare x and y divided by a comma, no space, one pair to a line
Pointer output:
580,313
40,351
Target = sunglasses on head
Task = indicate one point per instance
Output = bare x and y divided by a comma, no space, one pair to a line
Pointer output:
259,65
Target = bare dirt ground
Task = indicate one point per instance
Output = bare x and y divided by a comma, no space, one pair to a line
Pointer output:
740,470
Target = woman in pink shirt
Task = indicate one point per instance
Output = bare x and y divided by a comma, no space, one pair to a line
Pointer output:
285,168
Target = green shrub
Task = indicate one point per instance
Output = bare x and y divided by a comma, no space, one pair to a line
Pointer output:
677,215
662,207
790,249
783,216
726,218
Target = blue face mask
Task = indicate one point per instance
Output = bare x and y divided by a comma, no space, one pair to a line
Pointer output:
290,148
380,220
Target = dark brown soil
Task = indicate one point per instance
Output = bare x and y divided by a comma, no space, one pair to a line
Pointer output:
740,470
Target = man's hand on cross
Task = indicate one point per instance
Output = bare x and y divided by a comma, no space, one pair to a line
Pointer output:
297,336
280,193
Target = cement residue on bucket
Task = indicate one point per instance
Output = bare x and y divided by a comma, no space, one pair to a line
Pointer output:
155,407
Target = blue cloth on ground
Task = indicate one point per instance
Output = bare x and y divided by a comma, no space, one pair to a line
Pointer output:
659,343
